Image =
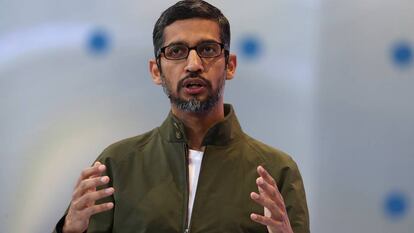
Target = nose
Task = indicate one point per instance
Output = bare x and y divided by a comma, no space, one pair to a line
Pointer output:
194,62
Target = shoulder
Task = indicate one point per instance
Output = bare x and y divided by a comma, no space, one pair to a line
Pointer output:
120,150
268,153
280,165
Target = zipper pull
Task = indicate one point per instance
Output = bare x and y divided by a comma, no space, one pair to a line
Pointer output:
186,230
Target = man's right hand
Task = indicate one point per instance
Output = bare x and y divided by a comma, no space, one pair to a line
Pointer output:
82,206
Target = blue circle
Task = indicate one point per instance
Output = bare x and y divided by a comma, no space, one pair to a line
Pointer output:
402,54
99,41
396,205
250,47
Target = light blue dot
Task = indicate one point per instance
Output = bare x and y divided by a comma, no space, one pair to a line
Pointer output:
396,205
250,47
99,41
402,54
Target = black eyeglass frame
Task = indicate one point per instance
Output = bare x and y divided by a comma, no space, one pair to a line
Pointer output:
222,47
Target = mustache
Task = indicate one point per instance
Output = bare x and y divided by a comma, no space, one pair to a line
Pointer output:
193,75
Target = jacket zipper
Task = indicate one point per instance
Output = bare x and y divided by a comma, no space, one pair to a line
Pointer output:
187,189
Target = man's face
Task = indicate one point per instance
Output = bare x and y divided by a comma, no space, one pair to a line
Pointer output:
193,84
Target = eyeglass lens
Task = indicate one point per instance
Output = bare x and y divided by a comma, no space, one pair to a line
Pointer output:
204,50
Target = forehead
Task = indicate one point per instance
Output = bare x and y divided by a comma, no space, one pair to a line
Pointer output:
191,31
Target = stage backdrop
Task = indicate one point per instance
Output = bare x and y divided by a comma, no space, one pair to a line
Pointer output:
329,82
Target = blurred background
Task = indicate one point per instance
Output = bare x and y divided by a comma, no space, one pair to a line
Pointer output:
329,82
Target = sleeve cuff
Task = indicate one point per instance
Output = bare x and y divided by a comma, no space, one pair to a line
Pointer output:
59,225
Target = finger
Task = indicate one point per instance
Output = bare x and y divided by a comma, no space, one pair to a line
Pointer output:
265,220
96,170
271,191
275,211
89,185
97,163
269,179
266,176
89,199
99,208
267,188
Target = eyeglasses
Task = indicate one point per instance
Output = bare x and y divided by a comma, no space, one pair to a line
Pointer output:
181,51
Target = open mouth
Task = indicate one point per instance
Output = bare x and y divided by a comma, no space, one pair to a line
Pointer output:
193,83
194,86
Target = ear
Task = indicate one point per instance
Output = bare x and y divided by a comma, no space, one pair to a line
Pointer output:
155,72
231,66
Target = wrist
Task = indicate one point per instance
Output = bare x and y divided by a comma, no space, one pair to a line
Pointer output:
67,229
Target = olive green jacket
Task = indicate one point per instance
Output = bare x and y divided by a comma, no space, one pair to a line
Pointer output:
150,176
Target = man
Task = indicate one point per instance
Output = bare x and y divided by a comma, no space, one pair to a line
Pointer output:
198,171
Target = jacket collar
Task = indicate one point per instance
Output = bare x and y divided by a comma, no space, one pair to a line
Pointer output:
222,133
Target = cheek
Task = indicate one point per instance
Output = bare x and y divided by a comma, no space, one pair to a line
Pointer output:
173,71
220,75
171,76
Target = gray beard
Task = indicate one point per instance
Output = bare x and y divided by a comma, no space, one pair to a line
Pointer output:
193,105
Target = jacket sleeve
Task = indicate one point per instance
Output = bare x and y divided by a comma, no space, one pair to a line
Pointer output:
291,187
59,225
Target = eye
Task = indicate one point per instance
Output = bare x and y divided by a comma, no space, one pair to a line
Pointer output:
209,49
176,51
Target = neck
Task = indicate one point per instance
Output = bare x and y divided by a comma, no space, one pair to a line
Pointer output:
197,124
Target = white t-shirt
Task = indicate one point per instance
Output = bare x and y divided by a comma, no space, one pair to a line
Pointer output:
194,164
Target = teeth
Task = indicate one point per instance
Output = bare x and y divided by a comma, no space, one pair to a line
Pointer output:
193,84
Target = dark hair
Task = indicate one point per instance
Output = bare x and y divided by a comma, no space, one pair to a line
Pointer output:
188,9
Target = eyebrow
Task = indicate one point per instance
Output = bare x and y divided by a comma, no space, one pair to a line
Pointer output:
199,42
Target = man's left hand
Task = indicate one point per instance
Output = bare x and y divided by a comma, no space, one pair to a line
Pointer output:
275,216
